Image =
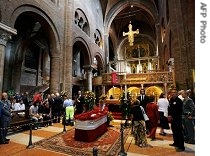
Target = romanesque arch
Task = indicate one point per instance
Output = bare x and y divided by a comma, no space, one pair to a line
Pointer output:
80,60
32,52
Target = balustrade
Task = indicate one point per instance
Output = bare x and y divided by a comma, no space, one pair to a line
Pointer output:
139,78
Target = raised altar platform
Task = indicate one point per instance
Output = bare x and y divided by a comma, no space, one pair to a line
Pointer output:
90,125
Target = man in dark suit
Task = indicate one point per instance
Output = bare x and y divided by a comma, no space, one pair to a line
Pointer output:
175,112
79,102
5,118
143,98
58,105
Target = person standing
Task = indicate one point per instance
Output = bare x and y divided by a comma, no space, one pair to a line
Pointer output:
37,98
50,99
152,113
5,118
191,94
68,106
139,127
175,112
188,116
79,102
163,105
143,98
26,101
58,105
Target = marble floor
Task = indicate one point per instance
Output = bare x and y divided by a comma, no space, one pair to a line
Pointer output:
21,146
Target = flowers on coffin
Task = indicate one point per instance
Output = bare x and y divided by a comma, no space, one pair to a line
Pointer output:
91,115
89,100
109,116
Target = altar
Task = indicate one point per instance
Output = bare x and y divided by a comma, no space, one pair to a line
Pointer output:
90,125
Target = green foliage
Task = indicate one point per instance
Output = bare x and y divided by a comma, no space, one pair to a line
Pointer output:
109,116
89,100
11,92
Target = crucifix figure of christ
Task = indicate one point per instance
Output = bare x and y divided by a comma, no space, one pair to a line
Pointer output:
130,34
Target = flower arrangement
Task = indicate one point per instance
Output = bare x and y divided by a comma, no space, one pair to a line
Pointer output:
109,116
89,99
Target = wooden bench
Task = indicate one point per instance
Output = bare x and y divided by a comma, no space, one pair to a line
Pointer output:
20,119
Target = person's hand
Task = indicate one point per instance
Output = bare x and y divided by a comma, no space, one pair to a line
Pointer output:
190,117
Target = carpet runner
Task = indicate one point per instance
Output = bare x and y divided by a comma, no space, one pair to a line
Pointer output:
109,144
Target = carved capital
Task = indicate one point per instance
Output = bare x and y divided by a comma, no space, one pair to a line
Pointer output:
4,37
5,33
88,68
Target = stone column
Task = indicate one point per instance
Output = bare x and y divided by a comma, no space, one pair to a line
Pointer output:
103,89
3,41
158,39
88,70
106,50
68,46
54,76
5,35
39,70
165,89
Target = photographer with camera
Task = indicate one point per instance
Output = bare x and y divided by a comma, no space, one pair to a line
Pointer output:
188,118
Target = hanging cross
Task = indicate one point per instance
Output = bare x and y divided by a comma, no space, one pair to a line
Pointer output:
130,34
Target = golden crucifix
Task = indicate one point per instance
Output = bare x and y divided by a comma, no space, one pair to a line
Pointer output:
130,34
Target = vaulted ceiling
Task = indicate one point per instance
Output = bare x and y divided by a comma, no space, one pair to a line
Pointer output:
135,11
143,15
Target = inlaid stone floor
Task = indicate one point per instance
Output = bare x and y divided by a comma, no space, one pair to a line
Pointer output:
19,144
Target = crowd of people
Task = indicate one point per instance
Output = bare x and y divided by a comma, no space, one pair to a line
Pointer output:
175,111
44,110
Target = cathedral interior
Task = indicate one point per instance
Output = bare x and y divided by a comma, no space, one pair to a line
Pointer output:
104,46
